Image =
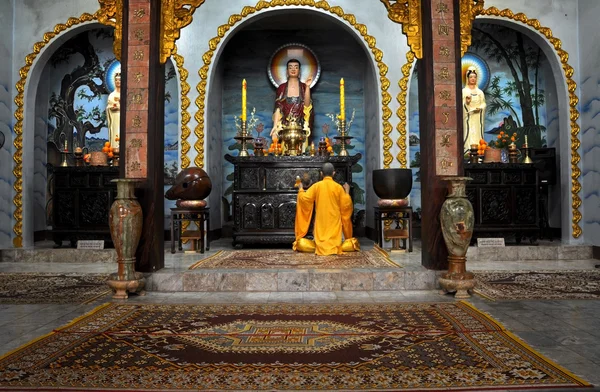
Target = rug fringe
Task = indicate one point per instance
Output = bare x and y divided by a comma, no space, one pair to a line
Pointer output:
479,293
56,330
525,346
89,301
386,255
198,263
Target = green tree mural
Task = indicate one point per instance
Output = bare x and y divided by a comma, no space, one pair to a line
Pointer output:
73,122
523,59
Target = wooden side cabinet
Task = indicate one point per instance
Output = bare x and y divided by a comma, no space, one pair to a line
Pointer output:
264,197
505,200
81,200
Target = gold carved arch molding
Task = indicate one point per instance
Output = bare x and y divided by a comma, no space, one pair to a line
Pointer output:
20,101
213,44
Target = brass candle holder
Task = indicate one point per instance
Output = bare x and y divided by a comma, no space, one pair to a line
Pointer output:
322,151
243,138
473,157
527,158
513,153
65,150
342,138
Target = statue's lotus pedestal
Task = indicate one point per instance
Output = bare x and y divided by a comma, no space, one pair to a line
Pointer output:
457,219
125,222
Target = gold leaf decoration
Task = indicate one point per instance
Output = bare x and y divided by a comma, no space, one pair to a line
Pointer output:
402,124
468,10
408,14
175,15
110,14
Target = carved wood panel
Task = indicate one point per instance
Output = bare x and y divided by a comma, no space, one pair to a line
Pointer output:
505,199
264,196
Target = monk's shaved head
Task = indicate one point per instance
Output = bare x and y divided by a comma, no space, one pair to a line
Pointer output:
327,169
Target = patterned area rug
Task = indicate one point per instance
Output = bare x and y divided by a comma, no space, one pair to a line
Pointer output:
578,284
287,258
51,288
412,346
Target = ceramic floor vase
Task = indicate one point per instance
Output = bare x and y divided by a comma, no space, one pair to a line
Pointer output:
125,221
457,217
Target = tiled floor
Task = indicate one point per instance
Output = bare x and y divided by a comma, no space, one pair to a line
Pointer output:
567,332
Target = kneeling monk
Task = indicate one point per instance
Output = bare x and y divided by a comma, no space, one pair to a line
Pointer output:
333,216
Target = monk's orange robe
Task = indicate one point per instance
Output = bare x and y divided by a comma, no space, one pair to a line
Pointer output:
333,215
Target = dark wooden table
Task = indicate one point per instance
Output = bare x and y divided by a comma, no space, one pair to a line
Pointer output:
199,215
505,199
395,214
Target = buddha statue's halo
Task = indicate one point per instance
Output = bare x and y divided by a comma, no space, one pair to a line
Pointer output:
309,63
470,61
112,70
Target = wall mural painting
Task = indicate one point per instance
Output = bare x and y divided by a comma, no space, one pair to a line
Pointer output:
517,88
515,76
171,164
76,112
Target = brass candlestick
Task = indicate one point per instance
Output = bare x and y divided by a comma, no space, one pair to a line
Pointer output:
243,139
473,157
342,138
65,151
527,158
513,153
115,160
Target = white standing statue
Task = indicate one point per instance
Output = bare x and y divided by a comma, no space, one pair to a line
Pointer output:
473,110
113,113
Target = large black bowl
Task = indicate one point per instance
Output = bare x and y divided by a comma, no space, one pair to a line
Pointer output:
392,183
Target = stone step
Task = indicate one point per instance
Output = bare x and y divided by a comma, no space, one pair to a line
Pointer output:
207,280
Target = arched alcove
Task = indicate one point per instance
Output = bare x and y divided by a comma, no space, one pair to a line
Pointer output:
62,60
245,54
551,115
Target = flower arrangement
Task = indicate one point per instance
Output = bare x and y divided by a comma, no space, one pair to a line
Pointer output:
503,140
337,120
251,124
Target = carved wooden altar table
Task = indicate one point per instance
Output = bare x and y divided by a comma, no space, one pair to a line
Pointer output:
264,196
505,199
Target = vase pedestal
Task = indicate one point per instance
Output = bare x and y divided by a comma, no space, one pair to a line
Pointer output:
457,219
122,288
460,282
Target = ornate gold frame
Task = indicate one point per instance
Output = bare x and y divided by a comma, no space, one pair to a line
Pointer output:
320,4
401,112
19,100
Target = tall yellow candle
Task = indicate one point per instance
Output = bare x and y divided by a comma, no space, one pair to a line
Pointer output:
342,103
244,100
